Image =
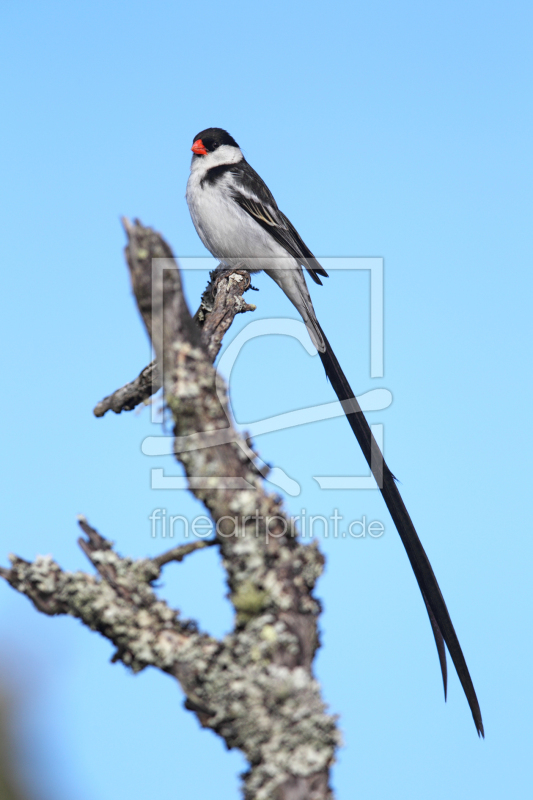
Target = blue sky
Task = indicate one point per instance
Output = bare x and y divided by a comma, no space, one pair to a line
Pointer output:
397,130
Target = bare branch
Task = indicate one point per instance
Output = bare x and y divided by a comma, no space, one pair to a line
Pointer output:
240,687
269,573
147,383
179,553
221,301
254,688
122,606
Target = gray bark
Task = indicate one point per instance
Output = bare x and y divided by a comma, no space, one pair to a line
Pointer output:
255,688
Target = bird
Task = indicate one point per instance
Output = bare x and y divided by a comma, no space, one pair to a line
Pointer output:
239,222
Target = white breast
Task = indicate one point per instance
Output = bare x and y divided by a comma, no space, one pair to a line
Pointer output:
228,231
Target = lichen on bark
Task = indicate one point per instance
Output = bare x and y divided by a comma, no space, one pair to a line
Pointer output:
255,687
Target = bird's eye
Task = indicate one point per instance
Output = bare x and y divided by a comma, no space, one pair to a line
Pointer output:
215,145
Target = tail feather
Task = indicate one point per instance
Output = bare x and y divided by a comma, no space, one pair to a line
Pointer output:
439,617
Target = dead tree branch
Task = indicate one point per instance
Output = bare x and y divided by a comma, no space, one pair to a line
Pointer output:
128,397
254,688
221,301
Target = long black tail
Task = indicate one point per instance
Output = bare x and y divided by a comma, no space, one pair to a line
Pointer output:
439,617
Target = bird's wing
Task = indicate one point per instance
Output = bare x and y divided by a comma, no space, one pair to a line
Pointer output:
254,197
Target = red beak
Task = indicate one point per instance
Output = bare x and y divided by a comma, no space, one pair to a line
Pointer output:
199,148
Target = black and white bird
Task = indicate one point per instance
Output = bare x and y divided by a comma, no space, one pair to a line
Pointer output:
239,222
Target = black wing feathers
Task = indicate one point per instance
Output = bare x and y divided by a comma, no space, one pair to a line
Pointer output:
255,197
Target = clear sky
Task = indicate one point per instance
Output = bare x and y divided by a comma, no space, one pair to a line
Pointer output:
399,130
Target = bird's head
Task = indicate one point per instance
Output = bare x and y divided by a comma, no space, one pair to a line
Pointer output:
216,146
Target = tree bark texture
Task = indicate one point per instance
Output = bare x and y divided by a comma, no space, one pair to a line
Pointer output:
255,688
